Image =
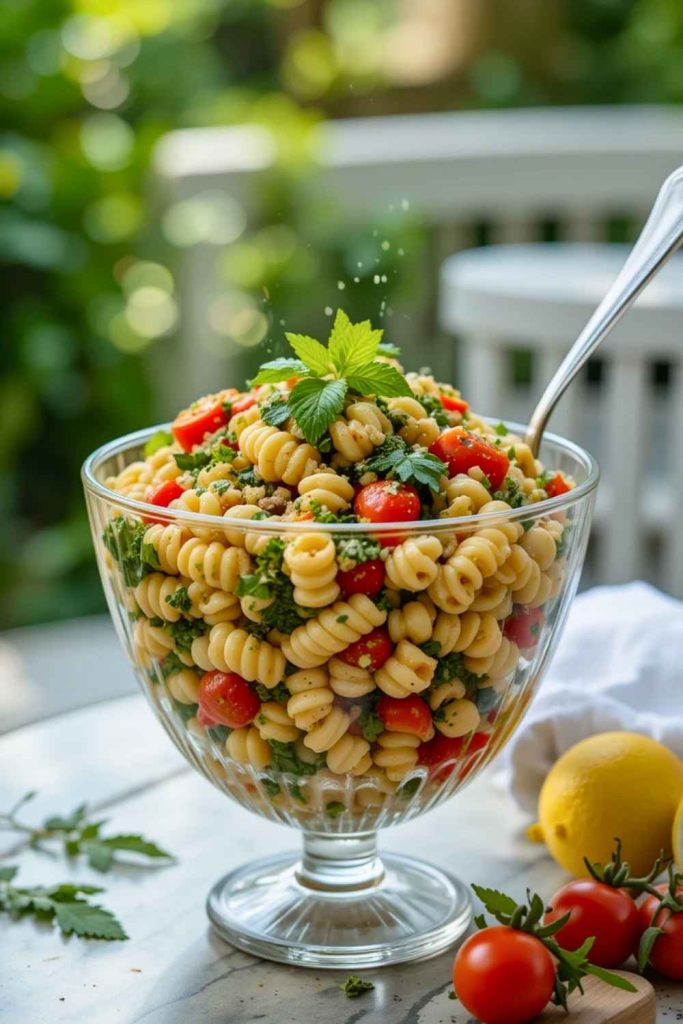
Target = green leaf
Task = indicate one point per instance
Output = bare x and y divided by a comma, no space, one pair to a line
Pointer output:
315,404
192,460
314,355
396,459
379,379
8,873
371,724
334,809
275,413
286,759
495,902
352,346
354,987
385,348
615,980
135,843
99,856
647,941
280,369
160,439
92,922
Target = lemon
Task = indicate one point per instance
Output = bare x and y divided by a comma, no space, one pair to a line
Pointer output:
677,837
614,784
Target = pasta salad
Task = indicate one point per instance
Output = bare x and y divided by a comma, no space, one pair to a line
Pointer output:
334,649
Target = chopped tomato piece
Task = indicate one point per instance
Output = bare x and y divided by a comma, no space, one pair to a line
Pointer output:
162,496
191,426
228,699
366,578
461,451
406,714
387,501
444,748
206,720
556,486
524,626
242,404
370,651
453,404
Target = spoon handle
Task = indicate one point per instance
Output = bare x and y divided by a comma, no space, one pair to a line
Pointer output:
658,241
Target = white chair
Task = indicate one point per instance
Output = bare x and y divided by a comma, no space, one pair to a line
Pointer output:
501,300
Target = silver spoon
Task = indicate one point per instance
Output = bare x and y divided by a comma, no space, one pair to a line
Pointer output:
658,241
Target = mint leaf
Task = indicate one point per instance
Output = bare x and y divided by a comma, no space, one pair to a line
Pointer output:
192,460
160,439
315,356
379,379
315,404
280,369
87,921
494,901
352,346
396,459
354,987
275,413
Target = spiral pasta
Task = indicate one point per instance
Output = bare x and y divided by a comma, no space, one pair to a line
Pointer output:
349,754
408,670
412,621
349,681
154,593
184,686
311,699
331,631
232,649
273,723
277,454
363,428
211,563
412,565
396,754
312,564
247,746
329,489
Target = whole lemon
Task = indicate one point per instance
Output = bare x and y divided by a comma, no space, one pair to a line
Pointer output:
614,784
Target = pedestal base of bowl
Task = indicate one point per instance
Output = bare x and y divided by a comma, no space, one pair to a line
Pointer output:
340,906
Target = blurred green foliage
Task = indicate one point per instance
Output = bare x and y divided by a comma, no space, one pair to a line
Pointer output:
87,87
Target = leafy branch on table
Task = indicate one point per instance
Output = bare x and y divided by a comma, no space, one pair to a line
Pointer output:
68,904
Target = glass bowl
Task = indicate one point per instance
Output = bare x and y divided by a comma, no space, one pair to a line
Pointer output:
338,904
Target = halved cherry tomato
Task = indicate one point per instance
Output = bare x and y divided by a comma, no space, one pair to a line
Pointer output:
524,626
454,404
406,714
503,976
366,578
461,450
370,651
445,748
228,699
191,426
667,953
242,404
387,501
162,495
556,486
598,910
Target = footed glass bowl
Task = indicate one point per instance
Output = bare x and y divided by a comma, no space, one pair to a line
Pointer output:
338,904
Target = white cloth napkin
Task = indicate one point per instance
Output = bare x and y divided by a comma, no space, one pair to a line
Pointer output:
619,665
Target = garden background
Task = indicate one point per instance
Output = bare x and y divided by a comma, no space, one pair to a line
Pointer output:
87,88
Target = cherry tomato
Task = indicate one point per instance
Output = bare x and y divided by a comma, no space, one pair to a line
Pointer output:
454,404
162,495
228,699
503,976
406,714
446,748
205,719
387,501
366,578
370,652
461,450
608,914
557,485
242,404
524,626
191,426
667,953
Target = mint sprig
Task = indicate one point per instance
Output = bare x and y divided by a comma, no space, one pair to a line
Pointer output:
64,903
328,374
397,459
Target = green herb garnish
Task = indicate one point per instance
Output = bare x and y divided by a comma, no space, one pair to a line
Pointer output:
286,759
66,903
124,539
327,374
354,987
160,439
396,459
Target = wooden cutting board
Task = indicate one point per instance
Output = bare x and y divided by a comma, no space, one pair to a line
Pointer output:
602,1004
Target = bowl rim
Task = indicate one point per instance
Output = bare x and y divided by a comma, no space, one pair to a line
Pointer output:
276,526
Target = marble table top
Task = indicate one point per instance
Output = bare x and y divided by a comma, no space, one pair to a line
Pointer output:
174,969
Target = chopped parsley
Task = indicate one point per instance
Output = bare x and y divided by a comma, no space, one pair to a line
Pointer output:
409,788
295,791
185,711
184,631
433,407
322,515
279,693
271,787
180,599
124,540
354,987
501,429
171,664
249,478
334,809
268,582
192,461
452,667
371,724
396,459
275,412
510,493
544,479
353,551
431,648
285,759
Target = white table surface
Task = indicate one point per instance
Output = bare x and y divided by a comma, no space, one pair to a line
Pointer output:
174,969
